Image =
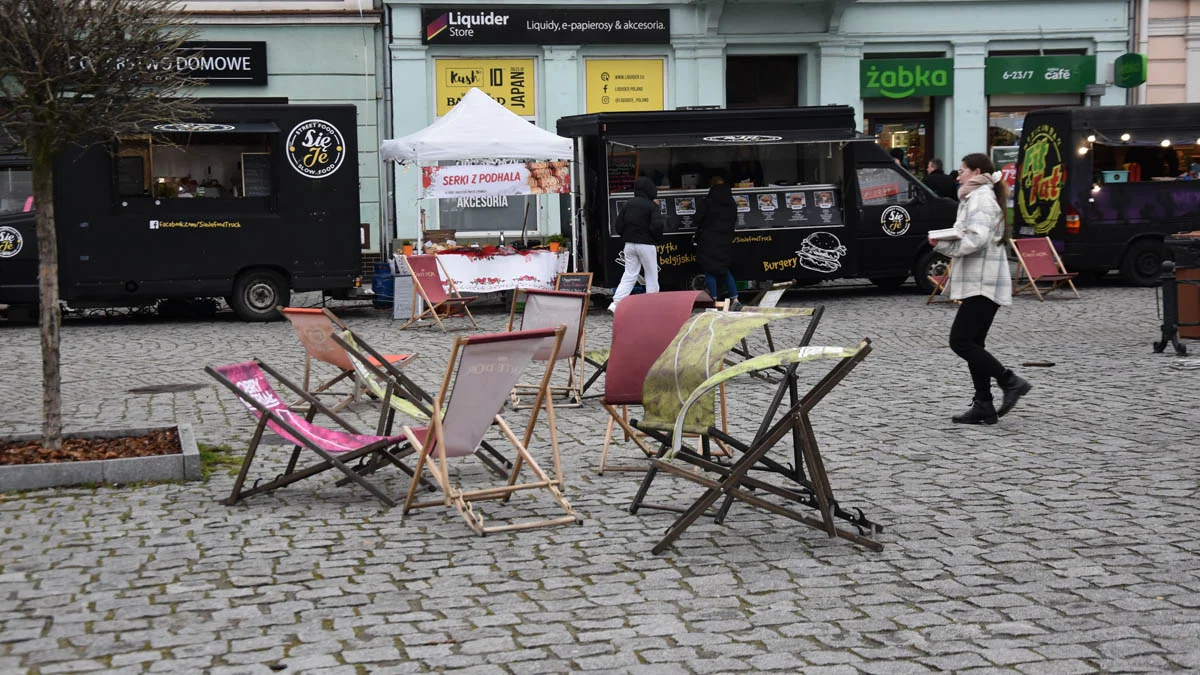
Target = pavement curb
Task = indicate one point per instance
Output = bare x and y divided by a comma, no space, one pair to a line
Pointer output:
184,466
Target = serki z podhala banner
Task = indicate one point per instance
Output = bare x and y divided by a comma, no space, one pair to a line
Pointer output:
473,180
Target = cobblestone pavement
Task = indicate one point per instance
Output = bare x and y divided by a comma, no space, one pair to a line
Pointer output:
1062,540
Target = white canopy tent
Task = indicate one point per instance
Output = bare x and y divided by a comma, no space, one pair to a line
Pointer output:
478,127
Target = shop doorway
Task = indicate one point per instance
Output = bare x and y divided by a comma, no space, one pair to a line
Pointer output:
911,137
768,81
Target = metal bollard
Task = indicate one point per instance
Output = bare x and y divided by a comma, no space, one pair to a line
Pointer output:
1170,311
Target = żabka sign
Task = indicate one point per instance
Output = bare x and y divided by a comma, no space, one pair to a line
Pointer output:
902,78
544,26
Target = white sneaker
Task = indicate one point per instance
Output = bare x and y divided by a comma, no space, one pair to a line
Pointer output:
612,307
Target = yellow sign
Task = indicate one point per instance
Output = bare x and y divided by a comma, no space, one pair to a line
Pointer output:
624,84
509,81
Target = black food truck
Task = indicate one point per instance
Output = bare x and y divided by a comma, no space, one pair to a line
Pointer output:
1107,184
815,198
251,204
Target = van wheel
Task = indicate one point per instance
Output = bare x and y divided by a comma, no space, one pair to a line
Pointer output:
931,263
888,283
1142,263
256,294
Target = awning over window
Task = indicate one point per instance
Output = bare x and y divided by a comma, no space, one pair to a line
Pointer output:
218,128
788,137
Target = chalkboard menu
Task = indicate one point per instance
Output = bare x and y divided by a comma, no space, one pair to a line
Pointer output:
256,174
574,282
803,206
622,171
131,176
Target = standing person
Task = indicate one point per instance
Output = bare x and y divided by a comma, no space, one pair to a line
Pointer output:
980,279
937,180
715,220
640,224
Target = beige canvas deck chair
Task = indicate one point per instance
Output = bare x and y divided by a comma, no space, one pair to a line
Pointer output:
940,284
439,303
550,309
315,329
1039,264
479,376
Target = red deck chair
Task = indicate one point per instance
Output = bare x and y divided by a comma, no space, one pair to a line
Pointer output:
940,283
315,327
335,447
483,370
1040,264
643,326
428,283
550,309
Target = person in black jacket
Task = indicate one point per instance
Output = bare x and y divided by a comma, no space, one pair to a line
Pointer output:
941,183
715,220
640,224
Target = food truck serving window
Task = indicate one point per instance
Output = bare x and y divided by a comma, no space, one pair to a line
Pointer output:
1147,161
209,161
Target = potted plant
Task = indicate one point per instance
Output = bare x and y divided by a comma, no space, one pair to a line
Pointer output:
406,247
554,241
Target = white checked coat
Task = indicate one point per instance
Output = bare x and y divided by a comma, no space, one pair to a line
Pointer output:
980,258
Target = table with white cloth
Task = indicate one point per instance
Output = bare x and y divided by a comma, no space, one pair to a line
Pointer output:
493,273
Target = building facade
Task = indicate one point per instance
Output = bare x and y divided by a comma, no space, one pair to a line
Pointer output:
1172,45
936,78
305,51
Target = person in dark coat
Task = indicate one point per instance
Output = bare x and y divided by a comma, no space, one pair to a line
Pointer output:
941,183
715,220
640,224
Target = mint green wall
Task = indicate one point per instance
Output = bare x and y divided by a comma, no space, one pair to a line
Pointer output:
322,63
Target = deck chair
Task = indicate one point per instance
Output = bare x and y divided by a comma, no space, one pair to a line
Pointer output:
398,394
643,326
1039,264
814,491
315,329
550,309
768,298
479,376
335,448
940,284
439,303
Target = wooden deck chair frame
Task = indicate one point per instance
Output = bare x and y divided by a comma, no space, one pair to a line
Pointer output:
812,489
325,354
453,300
939,282
400,393
788,385
571,393
431,443
768,298
618,411
1056,279
387,449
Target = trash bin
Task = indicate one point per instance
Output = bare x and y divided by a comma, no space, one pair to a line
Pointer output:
382,285
1185,248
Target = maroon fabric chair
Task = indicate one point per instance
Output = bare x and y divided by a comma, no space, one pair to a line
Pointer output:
643,327
428,284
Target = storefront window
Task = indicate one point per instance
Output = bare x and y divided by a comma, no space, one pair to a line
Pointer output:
16,190
906,140
198,165
1004,128
762,81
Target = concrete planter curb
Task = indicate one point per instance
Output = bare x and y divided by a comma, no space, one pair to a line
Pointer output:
184,466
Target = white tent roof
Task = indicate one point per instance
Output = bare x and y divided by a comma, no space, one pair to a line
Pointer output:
478,127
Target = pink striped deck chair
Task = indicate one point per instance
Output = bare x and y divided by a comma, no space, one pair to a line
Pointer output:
482,371
428,283
315,327
335,447
551,309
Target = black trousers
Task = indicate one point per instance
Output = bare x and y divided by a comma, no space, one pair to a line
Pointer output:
968,336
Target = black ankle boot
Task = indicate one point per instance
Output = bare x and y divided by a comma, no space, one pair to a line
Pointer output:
1014,388
980,412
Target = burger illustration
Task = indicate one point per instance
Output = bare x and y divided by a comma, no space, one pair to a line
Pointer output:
821,252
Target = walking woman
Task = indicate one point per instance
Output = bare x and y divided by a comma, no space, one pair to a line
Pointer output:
715,220
980,278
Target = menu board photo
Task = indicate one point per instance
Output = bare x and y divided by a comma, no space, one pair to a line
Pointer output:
762,208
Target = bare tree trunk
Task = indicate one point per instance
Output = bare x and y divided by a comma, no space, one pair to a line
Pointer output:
50,314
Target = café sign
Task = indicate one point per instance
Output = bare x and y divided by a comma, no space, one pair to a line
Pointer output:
1039,74
903,78
449,25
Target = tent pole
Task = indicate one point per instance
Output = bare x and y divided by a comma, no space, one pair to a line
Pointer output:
420,235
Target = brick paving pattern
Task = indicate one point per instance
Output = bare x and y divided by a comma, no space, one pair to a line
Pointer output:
1062,540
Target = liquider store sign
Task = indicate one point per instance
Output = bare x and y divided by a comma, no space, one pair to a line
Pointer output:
544,26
